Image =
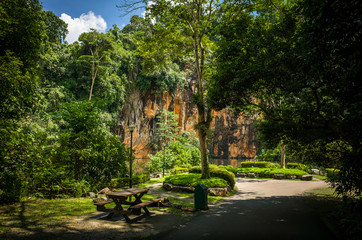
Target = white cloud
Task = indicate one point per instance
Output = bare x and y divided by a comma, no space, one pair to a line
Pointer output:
84,23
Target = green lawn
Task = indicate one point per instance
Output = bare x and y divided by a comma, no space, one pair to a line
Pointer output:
43,213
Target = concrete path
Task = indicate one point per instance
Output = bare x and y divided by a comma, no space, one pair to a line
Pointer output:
262,209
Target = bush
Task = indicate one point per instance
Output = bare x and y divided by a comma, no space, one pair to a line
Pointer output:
259,164
218,172
124,181
298,166
192,179
333,174
230,168
267,172
178,170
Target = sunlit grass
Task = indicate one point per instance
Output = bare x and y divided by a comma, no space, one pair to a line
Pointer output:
43,213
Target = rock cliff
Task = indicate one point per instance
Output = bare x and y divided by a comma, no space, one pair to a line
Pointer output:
232,139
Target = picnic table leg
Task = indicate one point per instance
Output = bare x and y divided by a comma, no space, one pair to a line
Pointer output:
146,210
126,217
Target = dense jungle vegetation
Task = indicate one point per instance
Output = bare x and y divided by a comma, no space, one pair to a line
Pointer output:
295,66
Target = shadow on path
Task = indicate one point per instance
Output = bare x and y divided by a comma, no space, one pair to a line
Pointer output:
261,218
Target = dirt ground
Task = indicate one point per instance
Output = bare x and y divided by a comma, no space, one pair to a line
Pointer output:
97,226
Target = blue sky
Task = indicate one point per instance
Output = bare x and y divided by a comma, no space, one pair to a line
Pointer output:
81,15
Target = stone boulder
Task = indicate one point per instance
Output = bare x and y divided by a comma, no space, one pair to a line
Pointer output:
105,191
167,186
279,176
240,175
89,195
99,199
307,177
291,177
251,175
217,191
183,189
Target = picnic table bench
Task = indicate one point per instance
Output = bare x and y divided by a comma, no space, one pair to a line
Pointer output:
120,198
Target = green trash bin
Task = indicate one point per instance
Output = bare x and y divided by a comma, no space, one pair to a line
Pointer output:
200,197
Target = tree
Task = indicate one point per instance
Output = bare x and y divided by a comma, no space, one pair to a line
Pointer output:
166,131
21,34
21,30
86,148
298,67
56,29
96,50
185,28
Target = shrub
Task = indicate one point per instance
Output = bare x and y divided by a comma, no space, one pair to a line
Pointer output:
266,172
178,170
124,181
298,166
217,172
332,174
230,168
192,179
258,164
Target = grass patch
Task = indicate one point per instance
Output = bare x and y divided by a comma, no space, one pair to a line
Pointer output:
343,218
324,178
192,179
43,213
149,183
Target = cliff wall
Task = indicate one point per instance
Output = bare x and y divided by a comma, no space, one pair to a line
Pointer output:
233,138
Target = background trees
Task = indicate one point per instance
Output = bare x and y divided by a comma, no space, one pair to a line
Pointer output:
300,73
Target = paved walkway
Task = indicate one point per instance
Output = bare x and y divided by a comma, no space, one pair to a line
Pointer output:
262,209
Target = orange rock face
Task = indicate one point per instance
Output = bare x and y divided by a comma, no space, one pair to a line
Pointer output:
232,137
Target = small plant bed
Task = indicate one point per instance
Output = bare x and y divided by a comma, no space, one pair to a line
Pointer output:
277,173
187,183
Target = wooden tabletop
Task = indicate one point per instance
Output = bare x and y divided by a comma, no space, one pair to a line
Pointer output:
128,192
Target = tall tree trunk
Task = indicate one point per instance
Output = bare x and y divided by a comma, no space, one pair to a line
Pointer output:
203,119
94,75
282,153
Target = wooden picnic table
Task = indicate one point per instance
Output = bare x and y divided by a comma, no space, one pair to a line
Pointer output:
124,198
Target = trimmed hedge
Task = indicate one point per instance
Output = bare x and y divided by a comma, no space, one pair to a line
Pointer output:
293,165
192,179
268,172
217,172
259,165
178,170
124,181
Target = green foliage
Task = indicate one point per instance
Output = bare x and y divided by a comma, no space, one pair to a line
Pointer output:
258,164
86,146
22,30
156,163
192,179
161,80
268,155
297,67
333,174
299,166
167,126
179,170
124,181
180,153
268,172
17,92
217,172
55,28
